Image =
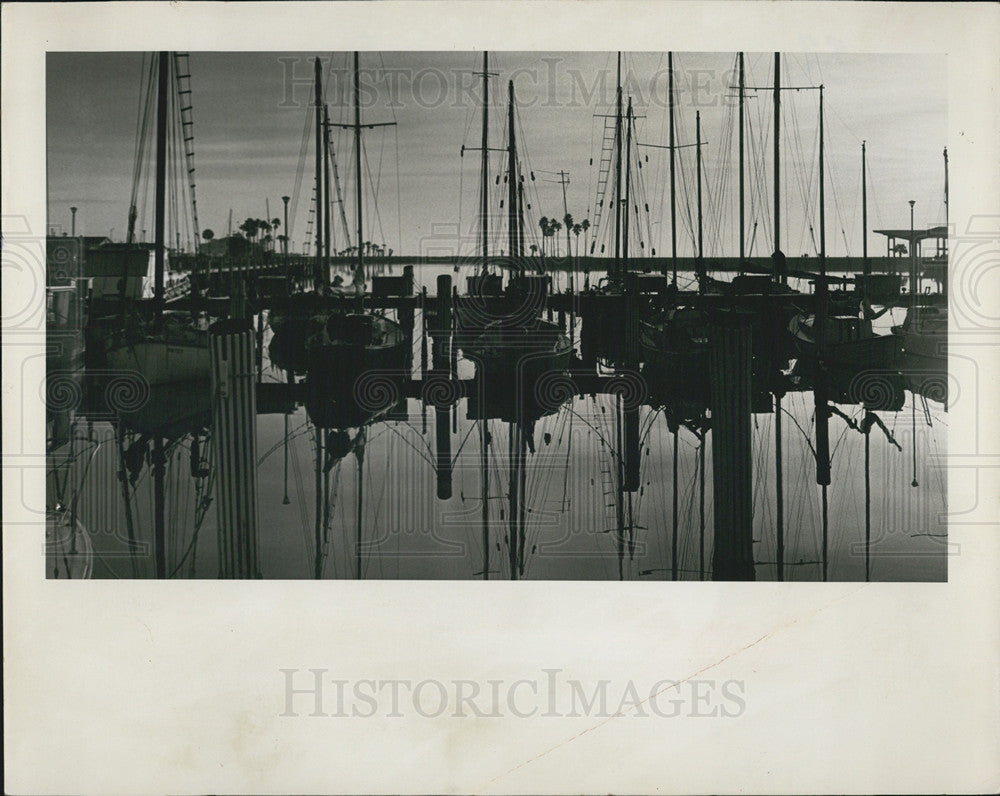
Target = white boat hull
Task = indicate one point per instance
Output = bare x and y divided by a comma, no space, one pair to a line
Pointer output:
162,362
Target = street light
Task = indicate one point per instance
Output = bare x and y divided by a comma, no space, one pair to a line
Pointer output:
913,258
286,199
913,325
285,500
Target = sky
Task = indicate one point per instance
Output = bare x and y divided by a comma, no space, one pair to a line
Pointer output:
253,145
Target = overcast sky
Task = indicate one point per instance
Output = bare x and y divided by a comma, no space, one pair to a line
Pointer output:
251,111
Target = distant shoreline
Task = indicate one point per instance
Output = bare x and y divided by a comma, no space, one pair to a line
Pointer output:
899,265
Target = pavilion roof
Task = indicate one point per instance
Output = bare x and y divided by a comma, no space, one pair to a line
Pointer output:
918,234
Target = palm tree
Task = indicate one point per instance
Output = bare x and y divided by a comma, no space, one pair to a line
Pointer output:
577,229
585,225
275,223
554,227
543,222
568,221
207,234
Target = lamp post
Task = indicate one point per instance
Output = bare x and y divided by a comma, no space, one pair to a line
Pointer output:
913,259
286,199
913,323
285,500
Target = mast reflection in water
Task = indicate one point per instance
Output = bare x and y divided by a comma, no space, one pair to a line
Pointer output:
363,497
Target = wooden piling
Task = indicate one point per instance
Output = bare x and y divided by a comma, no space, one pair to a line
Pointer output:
234,440
730,367
441,361
631,409
406,312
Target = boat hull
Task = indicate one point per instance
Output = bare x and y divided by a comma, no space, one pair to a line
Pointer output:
864,351
162,362
350,382
519,370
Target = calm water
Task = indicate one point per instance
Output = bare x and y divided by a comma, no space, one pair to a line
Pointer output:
572,513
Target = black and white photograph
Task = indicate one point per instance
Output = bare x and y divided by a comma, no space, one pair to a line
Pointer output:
497,315
500,396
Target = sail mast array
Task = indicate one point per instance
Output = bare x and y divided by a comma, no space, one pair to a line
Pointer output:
355,127
319,280
680,328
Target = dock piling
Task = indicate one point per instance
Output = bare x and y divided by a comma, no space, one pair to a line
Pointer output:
234,439
730,367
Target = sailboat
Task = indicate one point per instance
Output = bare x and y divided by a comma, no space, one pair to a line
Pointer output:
923,334
522,343
675,340
839,337
343,346
170,346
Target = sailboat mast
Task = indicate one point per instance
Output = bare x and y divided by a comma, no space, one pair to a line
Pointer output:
318,280
779,478
483,199
161,176
359,453
822,192
513,445
675,526
484,221
946,190
866,267
673,182
159,459
318,530
357,164
520,218
697,134
743,251
484,476
618,167
511,177
326,187
777,158
819,389
628,185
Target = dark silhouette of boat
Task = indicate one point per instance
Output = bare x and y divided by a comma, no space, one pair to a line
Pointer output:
357,364
848,341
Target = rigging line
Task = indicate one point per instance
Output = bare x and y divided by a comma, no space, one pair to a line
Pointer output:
794,139
840,439
417,450
805,436
472,426
374,198
759,209
301,499
409,425
300,169
142,124
298,431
